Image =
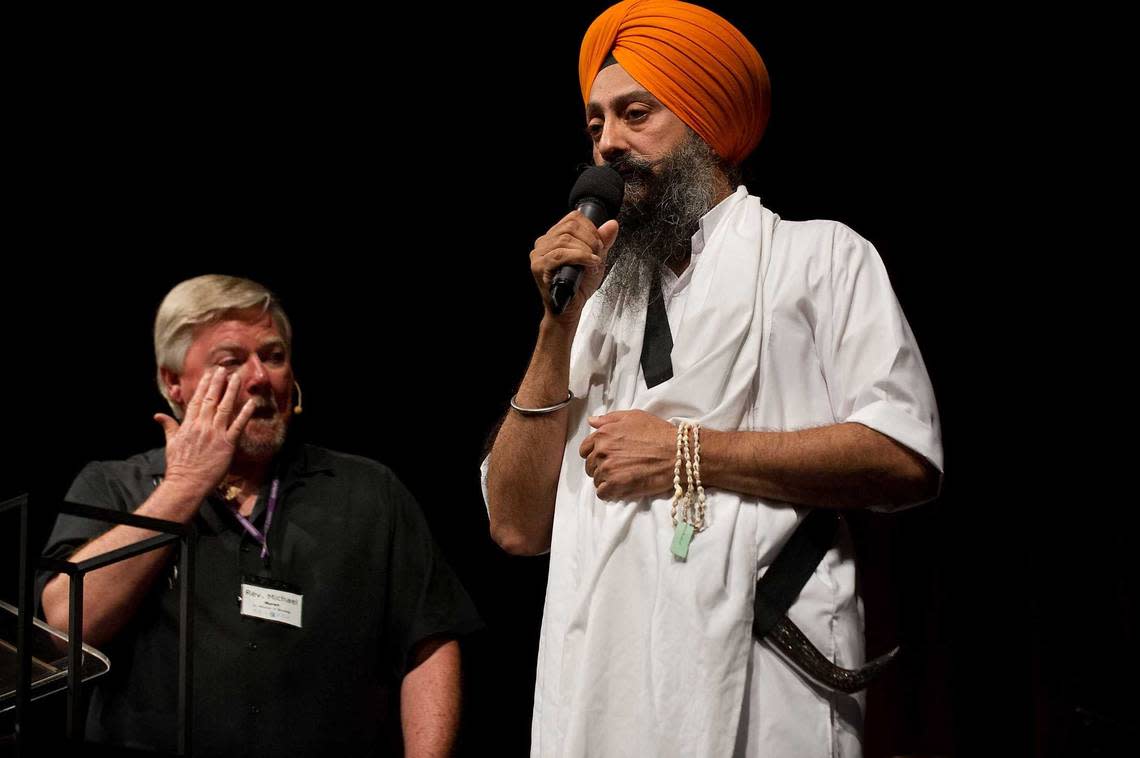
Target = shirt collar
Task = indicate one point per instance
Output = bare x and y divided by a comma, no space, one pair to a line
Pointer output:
710,220
671,283
295,461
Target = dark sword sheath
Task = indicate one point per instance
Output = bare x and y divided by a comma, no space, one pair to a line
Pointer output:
778,589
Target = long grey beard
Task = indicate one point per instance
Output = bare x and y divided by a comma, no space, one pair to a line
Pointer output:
659,215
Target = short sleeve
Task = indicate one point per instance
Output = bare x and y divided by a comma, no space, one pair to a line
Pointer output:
874,370
91,487
425,598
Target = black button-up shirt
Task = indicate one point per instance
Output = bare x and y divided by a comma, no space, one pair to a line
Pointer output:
350,538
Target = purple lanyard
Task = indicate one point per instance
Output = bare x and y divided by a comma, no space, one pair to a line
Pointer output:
262,537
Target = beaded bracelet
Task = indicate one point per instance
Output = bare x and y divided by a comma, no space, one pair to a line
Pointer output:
692,514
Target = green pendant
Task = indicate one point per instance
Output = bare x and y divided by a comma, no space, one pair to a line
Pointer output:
681,538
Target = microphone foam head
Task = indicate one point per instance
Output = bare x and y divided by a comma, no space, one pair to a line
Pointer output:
601,183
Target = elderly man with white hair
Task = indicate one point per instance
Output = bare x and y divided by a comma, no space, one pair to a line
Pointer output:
319,593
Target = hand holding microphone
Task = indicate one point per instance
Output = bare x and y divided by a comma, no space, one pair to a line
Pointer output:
597,195
580,240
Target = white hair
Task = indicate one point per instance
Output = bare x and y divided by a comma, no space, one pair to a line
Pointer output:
207,300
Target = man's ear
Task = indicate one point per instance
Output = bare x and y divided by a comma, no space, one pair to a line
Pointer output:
173,384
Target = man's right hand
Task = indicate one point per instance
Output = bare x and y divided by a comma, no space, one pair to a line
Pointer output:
574,241
200,450
198,454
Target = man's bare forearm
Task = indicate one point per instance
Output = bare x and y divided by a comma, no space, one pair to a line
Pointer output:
430,700
841,466
112,594
526,458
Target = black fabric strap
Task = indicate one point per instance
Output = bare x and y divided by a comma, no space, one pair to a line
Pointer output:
782,582
656,349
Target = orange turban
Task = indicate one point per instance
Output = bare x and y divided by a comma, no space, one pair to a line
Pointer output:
697,64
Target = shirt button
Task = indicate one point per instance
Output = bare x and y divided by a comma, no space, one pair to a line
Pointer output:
251,645
253,709
245,548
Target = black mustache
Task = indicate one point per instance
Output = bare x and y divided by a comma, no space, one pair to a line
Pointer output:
634,168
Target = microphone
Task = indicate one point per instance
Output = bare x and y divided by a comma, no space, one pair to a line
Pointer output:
597,194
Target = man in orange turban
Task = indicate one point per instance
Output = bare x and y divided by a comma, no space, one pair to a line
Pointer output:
734,377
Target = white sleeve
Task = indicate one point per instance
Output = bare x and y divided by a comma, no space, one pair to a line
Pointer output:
874,370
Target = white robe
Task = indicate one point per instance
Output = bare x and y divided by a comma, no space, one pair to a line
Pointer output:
777,325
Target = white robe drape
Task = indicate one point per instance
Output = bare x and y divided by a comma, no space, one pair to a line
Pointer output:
778,326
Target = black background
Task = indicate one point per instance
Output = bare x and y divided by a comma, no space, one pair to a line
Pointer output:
386,175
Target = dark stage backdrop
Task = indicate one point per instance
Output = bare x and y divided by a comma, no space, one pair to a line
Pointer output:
387,177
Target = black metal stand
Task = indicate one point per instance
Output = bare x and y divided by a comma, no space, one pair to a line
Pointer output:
172,532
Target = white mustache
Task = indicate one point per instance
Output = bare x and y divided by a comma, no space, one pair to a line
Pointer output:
260,405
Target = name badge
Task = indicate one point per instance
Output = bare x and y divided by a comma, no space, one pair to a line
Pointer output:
263,598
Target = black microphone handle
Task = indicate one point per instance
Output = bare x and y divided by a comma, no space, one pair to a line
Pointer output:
593,210
564,285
